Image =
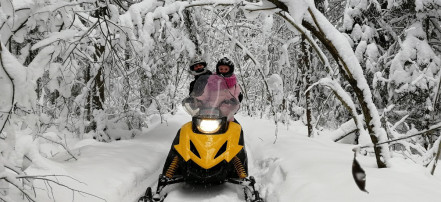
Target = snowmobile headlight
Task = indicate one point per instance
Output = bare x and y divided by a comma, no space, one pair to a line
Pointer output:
209,125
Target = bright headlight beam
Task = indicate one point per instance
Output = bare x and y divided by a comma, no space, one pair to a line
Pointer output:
209,126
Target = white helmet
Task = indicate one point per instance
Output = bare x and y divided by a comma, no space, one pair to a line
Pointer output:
197,60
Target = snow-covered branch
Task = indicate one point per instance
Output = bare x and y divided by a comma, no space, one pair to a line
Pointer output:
342,52
413,134
7,88
346,100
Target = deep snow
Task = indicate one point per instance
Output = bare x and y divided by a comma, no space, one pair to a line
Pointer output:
295,168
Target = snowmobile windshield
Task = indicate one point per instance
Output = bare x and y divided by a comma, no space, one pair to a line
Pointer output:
211,98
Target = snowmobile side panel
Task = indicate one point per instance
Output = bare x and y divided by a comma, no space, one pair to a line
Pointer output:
207,146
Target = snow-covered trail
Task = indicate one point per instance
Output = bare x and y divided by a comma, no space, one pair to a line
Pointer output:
121,171
294,168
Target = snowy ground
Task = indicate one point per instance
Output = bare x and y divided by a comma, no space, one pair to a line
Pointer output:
295,168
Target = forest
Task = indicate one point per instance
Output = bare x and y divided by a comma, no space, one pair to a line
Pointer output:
362,72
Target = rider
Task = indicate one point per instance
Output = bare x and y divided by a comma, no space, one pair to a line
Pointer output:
225,68
227,99
197,69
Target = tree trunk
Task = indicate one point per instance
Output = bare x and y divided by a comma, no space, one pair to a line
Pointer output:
306,66
145,93
95,97
98,97
88,104
436,159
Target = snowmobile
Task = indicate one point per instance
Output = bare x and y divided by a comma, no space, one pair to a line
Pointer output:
209,150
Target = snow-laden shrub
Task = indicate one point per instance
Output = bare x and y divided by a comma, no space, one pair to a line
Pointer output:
414,76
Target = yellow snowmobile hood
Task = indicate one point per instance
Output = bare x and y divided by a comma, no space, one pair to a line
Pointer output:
208,146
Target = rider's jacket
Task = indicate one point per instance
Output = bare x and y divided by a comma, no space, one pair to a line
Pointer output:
217,94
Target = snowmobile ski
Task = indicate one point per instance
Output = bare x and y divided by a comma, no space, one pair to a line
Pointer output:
162,182
149,197
250,192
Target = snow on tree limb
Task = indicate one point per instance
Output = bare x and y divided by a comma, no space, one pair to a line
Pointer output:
342,131
354,74
342,52
346,100
16,19
7,88
64,35
178,7
399,122
25,96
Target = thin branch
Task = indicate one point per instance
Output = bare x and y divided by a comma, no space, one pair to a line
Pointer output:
43,176
431,129
314,45
29,197
62,185
64,146
436,159
345,135
321,109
